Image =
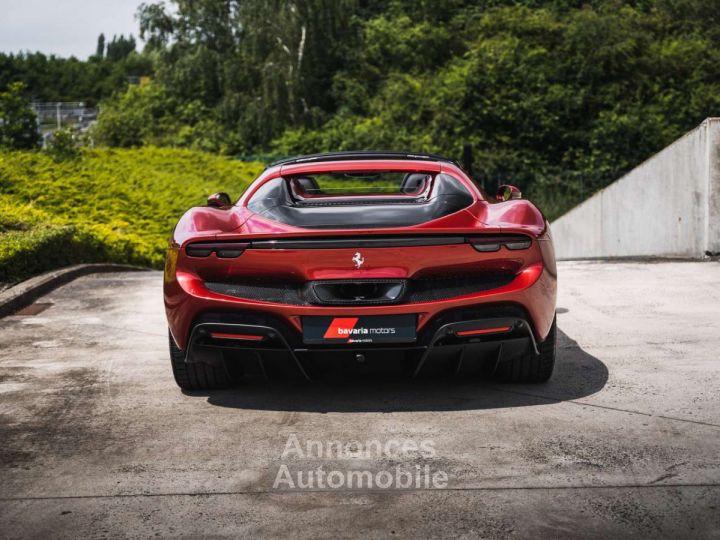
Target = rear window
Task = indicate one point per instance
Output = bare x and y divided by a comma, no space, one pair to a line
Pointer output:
358,200
359,184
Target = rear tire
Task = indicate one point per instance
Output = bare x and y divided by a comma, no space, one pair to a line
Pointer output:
196,376
532,368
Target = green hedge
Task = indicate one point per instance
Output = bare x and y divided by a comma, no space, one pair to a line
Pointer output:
106,205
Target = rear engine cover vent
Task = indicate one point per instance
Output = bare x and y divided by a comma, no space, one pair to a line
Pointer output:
356,292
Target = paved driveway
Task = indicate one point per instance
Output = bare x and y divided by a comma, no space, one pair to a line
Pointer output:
96,439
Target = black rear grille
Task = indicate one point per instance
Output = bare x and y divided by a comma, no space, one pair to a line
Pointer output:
428,290
356,292
414,290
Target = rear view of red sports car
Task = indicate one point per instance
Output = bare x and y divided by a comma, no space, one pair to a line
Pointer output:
361,261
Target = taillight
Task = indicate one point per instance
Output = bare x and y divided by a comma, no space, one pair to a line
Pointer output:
522,244
482,331
224,250
493,243
485,244
242,337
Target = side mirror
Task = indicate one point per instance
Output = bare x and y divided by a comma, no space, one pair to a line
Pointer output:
507,192
219,200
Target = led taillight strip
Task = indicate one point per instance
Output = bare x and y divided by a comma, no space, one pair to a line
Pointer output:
493,243
481,331
245,337
224,250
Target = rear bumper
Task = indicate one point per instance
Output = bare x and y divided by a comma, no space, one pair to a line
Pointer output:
459,346
529,298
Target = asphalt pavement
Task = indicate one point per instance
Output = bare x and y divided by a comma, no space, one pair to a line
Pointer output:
624,441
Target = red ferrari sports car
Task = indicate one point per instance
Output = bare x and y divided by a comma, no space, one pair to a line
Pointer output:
361,261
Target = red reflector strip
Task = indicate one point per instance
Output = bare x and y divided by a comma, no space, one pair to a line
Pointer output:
246,337
480,331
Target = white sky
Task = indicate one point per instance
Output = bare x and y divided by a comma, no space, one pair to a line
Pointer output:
64,27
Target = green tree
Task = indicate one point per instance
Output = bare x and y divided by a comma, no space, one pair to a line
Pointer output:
120,48
558,96
100,49
264,66
18,123
49,78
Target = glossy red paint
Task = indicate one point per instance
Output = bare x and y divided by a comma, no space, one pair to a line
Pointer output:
533,287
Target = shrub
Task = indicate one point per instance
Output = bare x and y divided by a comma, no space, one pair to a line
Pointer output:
107,205
63,145
149,114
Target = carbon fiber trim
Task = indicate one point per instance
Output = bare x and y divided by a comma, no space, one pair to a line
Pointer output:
428,290
280,293
415,290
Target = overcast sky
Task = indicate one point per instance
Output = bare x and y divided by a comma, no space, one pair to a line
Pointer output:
64,27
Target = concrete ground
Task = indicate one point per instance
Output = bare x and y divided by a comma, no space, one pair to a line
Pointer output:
96,439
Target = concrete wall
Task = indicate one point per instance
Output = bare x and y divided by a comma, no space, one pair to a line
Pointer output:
669,206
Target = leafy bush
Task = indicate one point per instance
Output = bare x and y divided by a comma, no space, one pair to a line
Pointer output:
116,205
150,115
18,124
63,144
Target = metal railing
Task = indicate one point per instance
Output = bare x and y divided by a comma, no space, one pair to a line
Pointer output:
58,114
